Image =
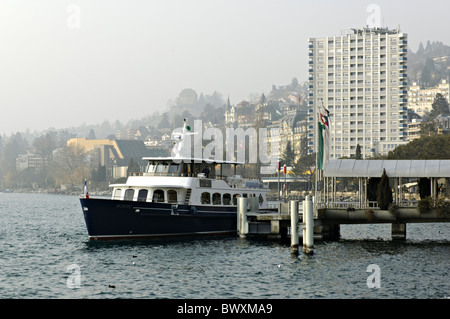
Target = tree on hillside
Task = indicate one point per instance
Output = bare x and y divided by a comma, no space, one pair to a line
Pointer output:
428,128
423,148
16,145
289,155
440,106
213,114
426,77
421,49
164,122
91,135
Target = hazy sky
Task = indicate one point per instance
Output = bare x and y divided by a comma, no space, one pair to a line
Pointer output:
64,63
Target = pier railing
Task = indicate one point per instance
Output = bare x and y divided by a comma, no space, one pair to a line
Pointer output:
362,205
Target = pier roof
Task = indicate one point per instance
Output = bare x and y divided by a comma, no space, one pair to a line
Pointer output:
394,168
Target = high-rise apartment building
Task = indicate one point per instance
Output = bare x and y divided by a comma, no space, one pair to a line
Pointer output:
361,78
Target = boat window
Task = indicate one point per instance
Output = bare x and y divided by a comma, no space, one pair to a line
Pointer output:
187,170
235,197
162,168
174,168
117,193
226,199
206,198
151,167
129,194
172,196
158,196
216,199
142,195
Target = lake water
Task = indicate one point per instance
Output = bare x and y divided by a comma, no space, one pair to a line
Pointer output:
45,253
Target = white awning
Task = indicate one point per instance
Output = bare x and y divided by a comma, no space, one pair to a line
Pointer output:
394,168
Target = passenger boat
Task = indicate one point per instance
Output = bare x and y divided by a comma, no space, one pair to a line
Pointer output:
174,196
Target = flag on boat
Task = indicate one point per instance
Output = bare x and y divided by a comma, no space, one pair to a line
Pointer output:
86,193
324,138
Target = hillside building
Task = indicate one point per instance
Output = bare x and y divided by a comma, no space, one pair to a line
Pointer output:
420,100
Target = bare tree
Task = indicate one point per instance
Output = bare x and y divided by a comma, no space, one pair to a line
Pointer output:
44,147
70,166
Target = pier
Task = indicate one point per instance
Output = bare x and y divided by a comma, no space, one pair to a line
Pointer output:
325,224
320,217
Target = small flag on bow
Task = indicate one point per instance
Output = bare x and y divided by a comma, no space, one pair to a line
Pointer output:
86,193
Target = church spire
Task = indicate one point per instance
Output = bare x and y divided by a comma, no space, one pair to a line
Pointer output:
228,103
263,99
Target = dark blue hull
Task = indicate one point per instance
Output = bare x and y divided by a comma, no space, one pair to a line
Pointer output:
118,219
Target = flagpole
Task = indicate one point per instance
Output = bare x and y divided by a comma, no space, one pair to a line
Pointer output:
316,128
85,191
285,183
278,166
323,150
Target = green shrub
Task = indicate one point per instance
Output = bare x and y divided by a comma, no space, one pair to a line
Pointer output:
384,193
424,205
393,209
442,207
369,214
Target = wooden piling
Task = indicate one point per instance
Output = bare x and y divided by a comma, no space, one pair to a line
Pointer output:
242,205
308,220
294,226
253,204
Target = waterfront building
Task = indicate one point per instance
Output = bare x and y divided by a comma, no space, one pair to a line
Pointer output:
35,162
361,78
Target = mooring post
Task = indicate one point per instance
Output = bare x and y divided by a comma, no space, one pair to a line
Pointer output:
254,204
303,220
294,226
398,231
308,220
242,216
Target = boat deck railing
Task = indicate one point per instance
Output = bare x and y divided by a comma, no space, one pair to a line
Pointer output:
241,183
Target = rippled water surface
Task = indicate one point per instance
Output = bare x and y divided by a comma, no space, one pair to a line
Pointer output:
43,237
